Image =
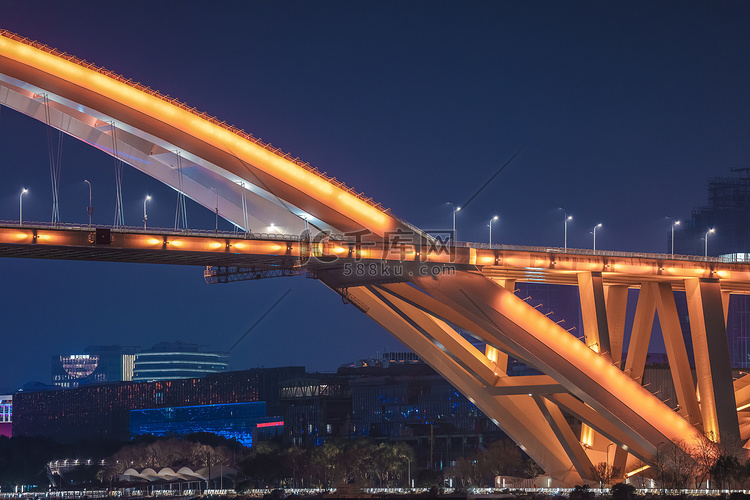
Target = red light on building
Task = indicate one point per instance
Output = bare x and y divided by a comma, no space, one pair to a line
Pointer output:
270,424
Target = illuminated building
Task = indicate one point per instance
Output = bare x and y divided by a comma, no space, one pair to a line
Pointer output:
404,401
6,415
102,411
97,364
316,408
416,405
176,360
385,360
240,421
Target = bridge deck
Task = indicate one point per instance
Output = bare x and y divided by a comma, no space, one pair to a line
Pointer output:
501,262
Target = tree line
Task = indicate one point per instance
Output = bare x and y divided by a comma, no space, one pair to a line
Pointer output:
361,461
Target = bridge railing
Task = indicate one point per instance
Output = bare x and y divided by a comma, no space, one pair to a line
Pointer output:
733,258
739,258
154,230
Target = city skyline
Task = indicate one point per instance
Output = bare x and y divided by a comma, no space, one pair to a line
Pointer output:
416,105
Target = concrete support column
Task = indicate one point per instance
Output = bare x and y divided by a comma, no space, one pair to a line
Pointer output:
679,365
712,365
616,298
594,312
565,435
640,336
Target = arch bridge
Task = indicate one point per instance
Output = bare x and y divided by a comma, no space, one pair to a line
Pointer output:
428,294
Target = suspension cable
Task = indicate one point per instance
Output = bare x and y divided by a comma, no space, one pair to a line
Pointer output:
119,215
55,161
180,215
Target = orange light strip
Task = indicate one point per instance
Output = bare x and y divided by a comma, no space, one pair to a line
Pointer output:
183,118
597,368
640,469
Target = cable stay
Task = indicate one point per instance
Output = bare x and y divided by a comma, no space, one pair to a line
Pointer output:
180,216
258,321
55,162
245,218
119,215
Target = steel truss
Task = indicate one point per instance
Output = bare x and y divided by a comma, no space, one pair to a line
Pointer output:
223,274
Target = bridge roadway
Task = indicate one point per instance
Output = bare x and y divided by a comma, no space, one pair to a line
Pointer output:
347,262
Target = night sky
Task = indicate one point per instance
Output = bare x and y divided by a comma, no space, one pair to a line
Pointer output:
622,112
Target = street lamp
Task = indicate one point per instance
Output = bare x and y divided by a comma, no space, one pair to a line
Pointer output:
408,460
145,217
598,225
490,226
20,206
90,208
674,223
216,226
706,239
455,209
565,227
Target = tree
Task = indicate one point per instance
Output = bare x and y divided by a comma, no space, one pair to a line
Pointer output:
295,459
622,491
726,471
501,458
465,472
705,453
604,473
674,465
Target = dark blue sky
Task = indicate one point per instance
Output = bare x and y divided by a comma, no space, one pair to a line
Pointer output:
624,110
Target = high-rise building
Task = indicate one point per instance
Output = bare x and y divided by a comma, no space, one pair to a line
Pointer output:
176,360
102,411
728,214
97,364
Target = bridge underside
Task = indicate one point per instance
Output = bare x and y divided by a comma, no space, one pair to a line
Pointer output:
584,383
588,397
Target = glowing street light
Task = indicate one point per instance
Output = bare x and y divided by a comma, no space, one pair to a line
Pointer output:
674,223
408,480
490,226
90,208
145,217
598,225
565,227
455,209
706,240
20,206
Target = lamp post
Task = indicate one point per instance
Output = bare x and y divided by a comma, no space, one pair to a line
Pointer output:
20,206
216,226
455,209
565,227
90,208
706,240
408,461
595,227
490,226
145,217
674,223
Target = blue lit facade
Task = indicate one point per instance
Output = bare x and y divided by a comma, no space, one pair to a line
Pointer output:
419,407
238,421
